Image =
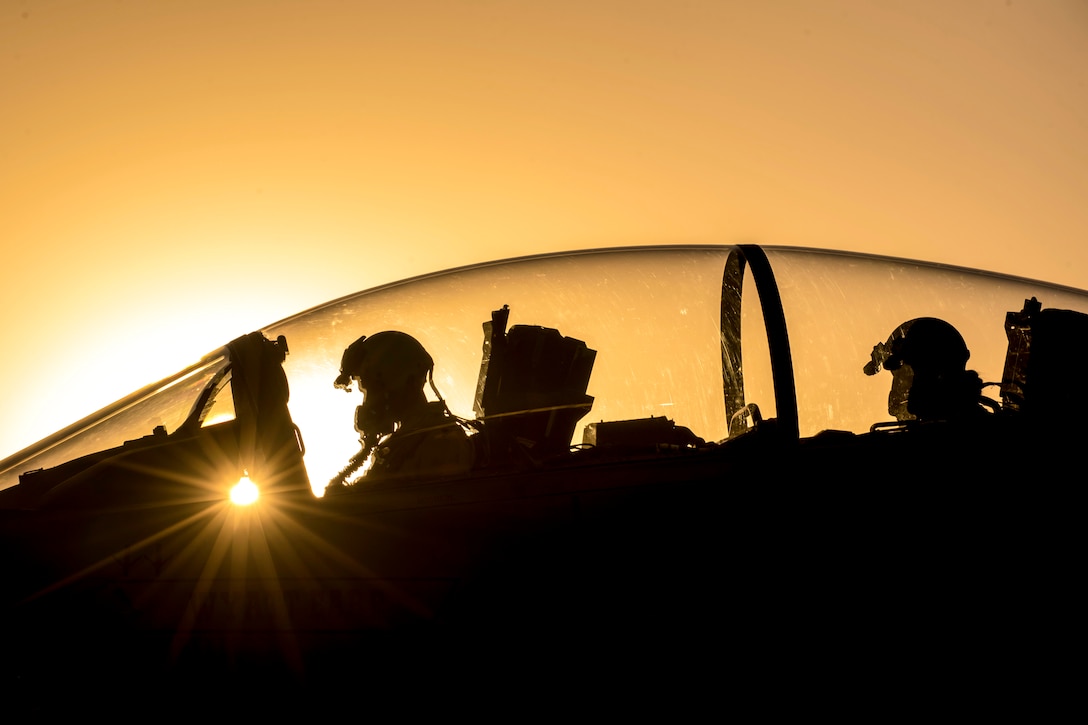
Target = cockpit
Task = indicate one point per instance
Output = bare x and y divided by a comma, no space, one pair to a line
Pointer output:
663,350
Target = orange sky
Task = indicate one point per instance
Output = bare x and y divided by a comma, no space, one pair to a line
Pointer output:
174,174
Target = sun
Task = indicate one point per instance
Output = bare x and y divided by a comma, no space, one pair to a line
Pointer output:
245,492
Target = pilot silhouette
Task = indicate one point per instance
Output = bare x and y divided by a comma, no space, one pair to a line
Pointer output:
402,433
927,358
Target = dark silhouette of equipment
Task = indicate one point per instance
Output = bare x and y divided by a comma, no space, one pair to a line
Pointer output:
531,391
1043,346
640,436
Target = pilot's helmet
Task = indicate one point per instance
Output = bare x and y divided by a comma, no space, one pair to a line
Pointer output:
924,343
387,360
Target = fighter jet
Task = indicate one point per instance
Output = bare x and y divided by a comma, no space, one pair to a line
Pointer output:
689,467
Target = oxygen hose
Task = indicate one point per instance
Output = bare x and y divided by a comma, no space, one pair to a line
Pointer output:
339,481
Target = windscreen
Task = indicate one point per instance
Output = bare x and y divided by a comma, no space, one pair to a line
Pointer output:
168,404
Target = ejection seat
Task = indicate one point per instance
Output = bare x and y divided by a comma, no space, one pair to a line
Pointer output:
1044,345
531,392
